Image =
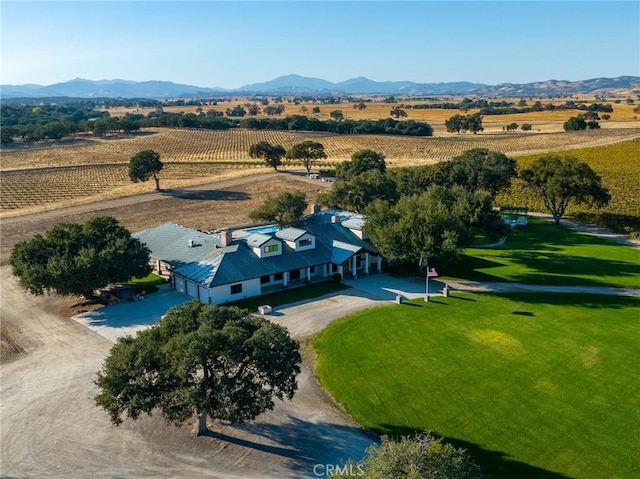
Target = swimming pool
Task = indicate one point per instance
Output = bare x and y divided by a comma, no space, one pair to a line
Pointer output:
262,229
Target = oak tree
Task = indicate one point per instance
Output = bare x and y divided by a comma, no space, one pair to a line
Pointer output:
74,258
562,180
285,209
308,152
271,154
200,361
144,165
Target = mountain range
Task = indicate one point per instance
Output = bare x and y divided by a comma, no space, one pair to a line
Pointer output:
299,85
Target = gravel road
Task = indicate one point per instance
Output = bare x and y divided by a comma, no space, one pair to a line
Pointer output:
51,427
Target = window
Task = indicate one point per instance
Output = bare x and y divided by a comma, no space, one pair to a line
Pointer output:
236,288
304,242
295,274
278,277
312,269
265,279
271,248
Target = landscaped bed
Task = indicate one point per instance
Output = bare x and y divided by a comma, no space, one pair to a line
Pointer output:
532,385
543,253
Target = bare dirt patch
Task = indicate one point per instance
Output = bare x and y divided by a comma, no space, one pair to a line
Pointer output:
206,207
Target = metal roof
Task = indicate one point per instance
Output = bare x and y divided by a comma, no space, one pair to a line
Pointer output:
257,239
335,243
354,223
290,234
170,243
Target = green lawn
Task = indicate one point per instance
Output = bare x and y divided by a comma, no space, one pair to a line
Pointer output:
534,386
148,284
290,295
543,253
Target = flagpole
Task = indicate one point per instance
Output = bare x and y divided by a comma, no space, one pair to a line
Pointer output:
426,297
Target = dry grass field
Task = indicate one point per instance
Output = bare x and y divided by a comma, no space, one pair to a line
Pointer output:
87,168
622,116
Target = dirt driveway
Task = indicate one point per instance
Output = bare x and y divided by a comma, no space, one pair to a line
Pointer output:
51,427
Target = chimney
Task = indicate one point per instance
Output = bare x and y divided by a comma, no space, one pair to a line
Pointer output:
335,219
225,237
314,209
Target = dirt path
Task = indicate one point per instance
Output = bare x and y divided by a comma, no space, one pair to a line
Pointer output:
51,427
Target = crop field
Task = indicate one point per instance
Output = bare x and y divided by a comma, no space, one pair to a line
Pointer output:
619,167
622,112
86,166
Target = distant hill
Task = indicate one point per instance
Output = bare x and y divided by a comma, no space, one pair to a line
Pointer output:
299,85
562,87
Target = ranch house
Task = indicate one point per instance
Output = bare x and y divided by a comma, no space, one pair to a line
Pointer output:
239,263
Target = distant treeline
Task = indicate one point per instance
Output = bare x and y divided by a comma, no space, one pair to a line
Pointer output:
507,108
388,126
35,123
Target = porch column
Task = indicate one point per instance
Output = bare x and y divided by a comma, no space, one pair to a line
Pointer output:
354,262
325,270
366,262
341,270
285,277
308,274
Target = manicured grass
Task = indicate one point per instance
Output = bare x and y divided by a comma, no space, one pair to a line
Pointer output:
290,295
148,284
543,253
534,386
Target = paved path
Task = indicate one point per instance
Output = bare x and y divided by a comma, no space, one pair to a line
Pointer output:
476,287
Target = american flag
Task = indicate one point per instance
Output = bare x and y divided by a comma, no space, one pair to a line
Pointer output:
432,273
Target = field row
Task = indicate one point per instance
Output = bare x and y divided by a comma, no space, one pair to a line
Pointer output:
619,167
178,145
22,189
377,110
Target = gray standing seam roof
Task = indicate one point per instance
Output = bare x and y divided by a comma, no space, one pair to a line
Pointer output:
170,243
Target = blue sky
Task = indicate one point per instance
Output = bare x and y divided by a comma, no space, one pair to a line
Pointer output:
232,43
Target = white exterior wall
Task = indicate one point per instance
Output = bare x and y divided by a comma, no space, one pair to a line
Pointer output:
192,289
204,294
358,233
304,237
180,287
260,252
222,294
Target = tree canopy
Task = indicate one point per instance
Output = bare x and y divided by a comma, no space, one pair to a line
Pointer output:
74,258
285,209
308,152
144,165
435,224
361,161
419,457
562,180
271,154
356,192
479,168
458,123
203,361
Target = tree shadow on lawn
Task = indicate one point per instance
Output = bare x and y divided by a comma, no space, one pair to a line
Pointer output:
497,463
543,235
305,443
568,266
589,301
207,195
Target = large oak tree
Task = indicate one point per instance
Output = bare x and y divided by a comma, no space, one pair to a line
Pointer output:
562,180
200,361
308,152
73,258
144,165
